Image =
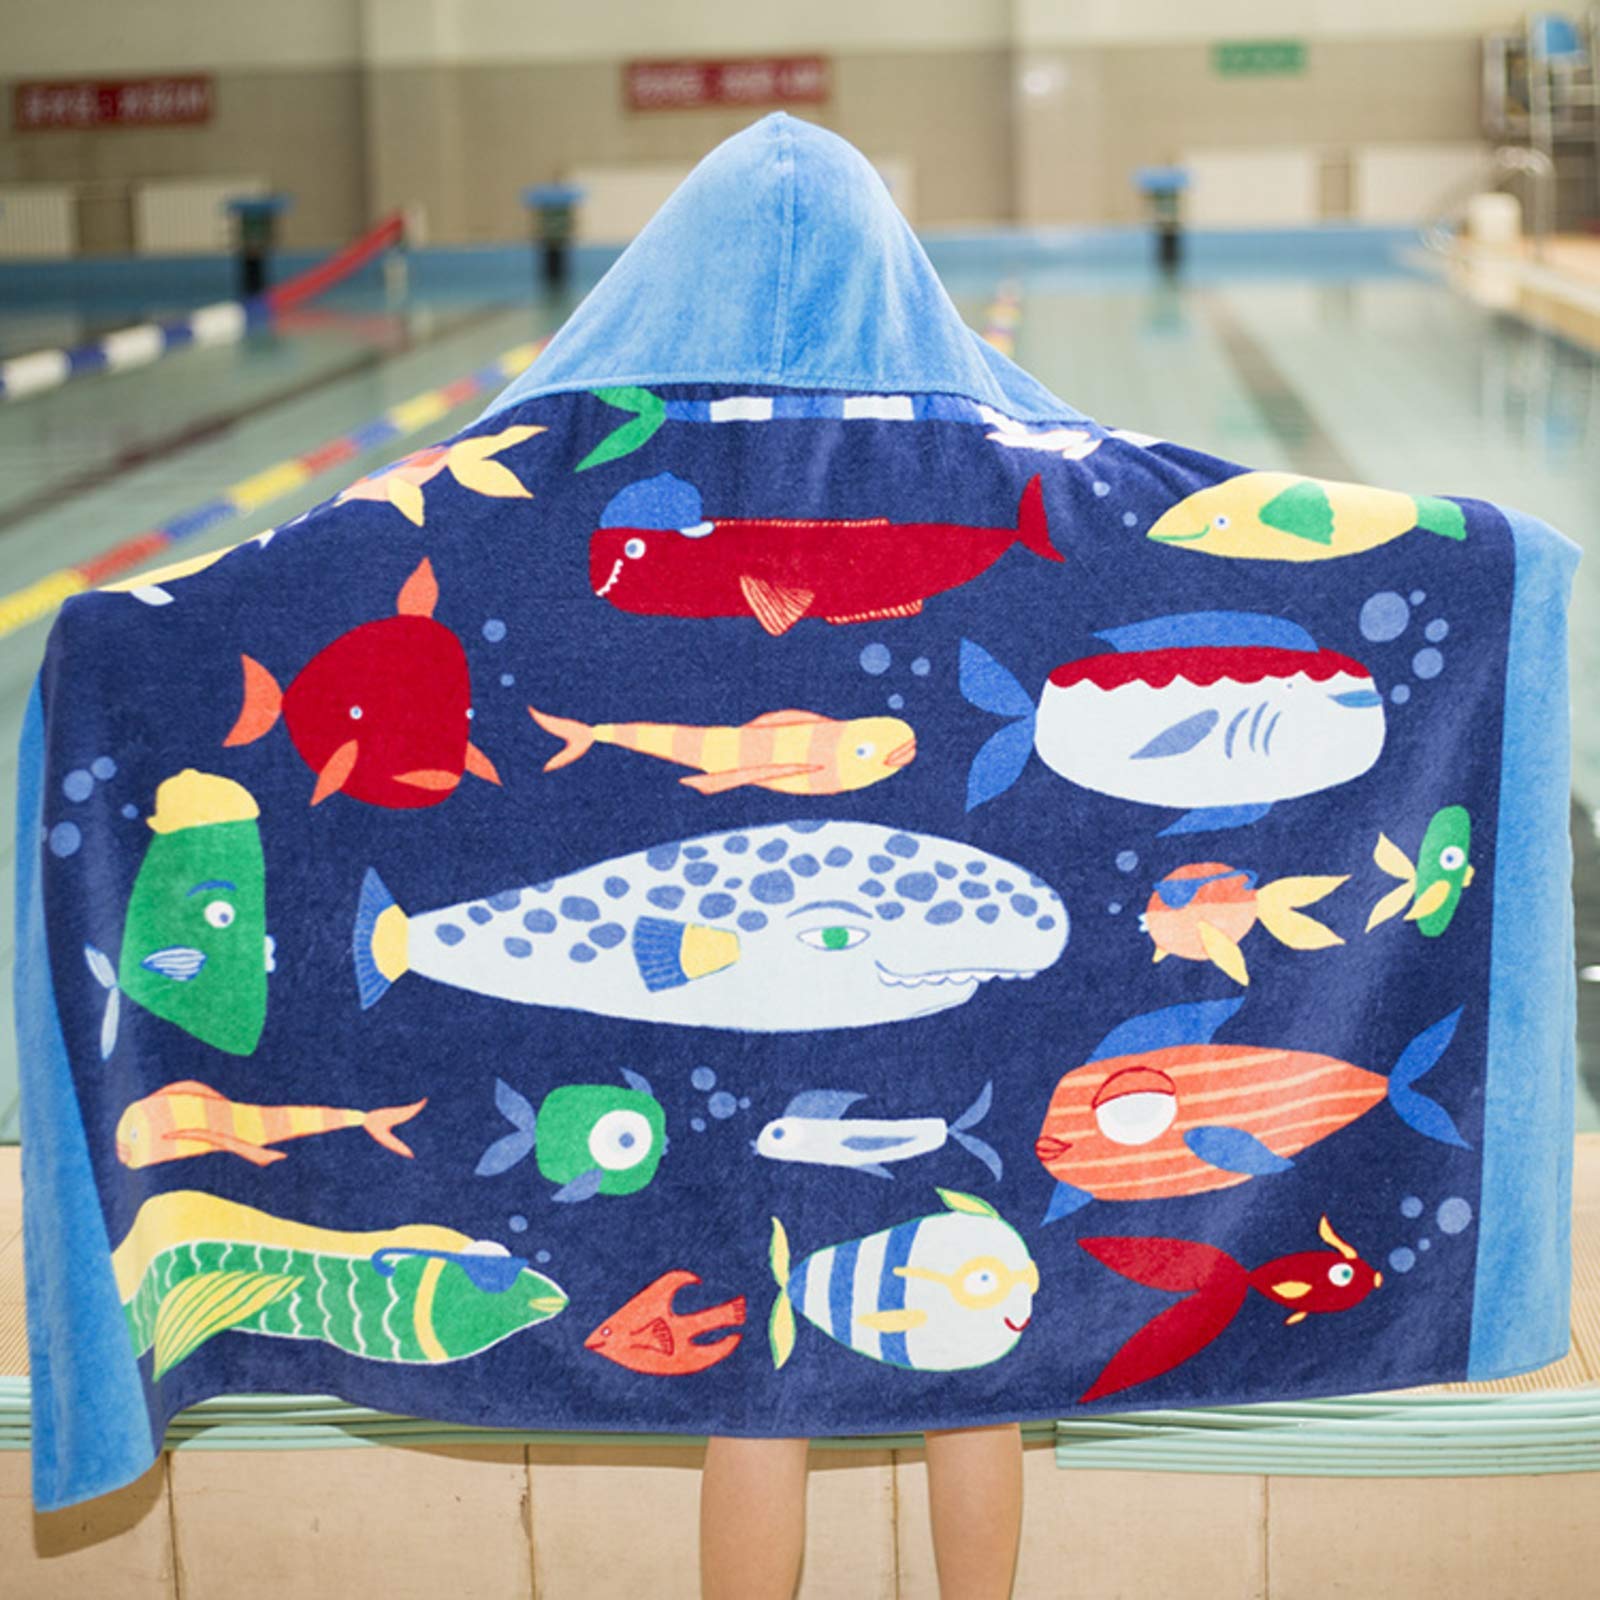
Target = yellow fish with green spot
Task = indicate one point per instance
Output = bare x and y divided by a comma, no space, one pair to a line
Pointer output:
1281,516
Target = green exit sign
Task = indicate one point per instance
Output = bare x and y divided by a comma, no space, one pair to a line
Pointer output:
1258,58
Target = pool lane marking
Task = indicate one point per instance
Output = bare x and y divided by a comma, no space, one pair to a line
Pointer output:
1309,446
46,594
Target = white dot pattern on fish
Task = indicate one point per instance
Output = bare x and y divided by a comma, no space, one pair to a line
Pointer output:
915,890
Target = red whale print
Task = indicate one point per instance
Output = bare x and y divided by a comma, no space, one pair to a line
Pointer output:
382,714
779,570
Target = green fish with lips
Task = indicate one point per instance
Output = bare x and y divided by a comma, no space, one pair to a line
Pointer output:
1434,883
195,948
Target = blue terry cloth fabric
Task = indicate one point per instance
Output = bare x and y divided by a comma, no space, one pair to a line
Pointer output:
786,881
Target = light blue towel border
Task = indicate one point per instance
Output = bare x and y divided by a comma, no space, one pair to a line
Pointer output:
1521,1315
90,1429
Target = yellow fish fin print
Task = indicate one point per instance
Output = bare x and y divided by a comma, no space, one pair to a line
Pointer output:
405,498
1328,1236
231,1142
1222,950
1429,900
911,608
488,478
1298,1316
1276,902
956,1200
780,1328
208,1304
1291,1289
774,606
1393,859
1389,906
1160,955
893,1321
742,777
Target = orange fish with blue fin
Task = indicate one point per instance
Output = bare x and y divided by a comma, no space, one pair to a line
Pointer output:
193,1119
1215,1287
788,752
1160,1110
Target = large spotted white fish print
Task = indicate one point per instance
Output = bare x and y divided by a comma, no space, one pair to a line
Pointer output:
781,928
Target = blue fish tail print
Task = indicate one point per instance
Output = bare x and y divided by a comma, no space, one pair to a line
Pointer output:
106,976
508,1150
375,900
970,1142
1415,1109
1065,1198
991,687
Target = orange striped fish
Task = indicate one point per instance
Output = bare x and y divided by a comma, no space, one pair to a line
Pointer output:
193,1119
1160,1110
791,752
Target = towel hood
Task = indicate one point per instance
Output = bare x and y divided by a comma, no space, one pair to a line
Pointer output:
780,260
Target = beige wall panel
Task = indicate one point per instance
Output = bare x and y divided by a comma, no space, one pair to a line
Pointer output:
586,1499
1150,104
467,140
404,1523
119,1545
303,131
1109,1535
1434,1538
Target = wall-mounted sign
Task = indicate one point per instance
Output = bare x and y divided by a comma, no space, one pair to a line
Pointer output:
1258,58
764,81
113,103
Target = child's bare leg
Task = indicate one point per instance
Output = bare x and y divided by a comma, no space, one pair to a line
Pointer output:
975,1500
752,1518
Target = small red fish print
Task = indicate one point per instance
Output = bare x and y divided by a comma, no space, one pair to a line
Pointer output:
1215,1287
382,714
647,1335
780,569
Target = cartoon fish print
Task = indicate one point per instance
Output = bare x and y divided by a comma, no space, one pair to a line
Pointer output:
1214,1287
151,587
1433,885
655,554
1159,1110
1281,516
382,713
939,1293
1201,912
815,1130
469,461
590,1138
646,1335
787,927
194,1265
192,1119
789,752
195,947
1223,713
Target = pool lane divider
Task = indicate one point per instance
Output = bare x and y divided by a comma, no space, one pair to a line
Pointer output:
43,597
226,322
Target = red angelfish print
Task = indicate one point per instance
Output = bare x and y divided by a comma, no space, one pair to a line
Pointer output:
1214,1286
383,713
654,554
647,1335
